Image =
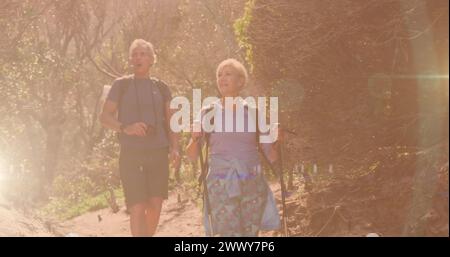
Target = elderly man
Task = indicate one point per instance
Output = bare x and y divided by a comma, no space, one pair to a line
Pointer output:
142,105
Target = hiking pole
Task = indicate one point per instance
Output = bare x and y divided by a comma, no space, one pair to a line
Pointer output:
202,179
282,185
280,173
283,189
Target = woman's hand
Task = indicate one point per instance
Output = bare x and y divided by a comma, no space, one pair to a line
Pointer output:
274,149
196,134
175,158
192,150
279,133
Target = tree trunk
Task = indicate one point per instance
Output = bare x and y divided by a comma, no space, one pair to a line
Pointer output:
52,148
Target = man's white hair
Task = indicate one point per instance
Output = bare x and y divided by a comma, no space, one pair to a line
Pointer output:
145,44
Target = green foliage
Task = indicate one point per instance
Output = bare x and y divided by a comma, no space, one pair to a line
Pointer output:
73,189
54,61
64,208
241,26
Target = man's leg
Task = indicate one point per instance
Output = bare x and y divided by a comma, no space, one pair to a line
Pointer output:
137,219
157,167
134,183
153,212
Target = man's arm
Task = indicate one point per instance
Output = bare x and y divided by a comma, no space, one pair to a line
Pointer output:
108,116
109,120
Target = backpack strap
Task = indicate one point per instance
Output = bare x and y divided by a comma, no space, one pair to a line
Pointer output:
122,90
162,87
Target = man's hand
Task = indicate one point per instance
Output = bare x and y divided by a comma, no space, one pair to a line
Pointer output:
136,129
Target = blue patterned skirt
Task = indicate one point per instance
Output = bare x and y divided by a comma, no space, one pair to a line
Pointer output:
240,199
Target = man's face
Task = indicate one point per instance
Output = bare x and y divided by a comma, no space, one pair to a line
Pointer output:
141,59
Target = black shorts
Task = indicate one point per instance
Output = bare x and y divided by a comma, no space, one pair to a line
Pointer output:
144,174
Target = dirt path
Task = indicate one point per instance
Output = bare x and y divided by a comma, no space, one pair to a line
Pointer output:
18,223
177,219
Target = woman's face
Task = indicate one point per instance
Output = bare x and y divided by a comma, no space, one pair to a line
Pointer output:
141,59
229,82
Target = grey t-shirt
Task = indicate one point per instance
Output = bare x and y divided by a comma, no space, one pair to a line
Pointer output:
234,145
142,100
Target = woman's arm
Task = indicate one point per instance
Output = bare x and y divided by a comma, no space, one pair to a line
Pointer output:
196,142
193,148
271,150
173,138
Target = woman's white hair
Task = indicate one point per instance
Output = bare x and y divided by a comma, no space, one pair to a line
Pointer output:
235,64
145,44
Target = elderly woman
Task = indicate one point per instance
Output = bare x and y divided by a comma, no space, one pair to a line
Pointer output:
239,200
